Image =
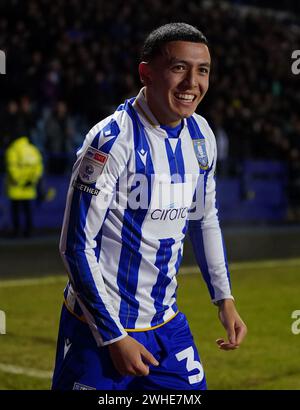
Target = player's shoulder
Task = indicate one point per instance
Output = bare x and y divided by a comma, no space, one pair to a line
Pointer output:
111,126
109,133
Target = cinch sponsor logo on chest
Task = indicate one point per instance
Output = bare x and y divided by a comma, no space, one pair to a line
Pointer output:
171,214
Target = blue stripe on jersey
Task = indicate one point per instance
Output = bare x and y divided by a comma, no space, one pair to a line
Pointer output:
196,235
176,162
95,142
171,158
110,129
195,226
80,269
205,183
130,257
195,230
158,292
98,240
180,255
194,129
180,161
106,146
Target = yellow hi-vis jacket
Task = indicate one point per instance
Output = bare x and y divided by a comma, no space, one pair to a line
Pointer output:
24,167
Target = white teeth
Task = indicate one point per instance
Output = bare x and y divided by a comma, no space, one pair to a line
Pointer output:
186,97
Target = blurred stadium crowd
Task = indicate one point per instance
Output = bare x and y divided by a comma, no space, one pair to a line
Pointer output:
70,63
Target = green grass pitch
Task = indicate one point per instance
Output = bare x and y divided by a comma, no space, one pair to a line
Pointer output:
266,295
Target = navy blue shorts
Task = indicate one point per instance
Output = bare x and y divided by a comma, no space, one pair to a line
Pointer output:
81,365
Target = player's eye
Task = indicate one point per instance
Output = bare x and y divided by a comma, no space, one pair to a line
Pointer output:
204,70
179,67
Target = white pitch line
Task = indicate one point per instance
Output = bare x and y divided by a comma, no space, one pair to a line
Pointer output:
47,280
39,374
269,264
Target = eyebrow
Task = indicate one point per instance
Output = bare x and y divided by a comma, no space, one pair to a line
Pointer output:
175,60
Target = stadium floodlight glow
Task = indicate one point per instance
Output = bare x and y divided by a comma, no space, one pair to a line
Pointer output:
296,64
2,62
2,323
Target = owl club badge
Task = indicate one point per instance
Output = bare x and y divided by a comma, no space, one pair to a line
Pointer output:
201,154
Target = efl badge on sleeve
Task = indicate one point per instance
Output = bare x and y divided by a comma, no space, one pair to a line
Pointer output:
201,154
92,165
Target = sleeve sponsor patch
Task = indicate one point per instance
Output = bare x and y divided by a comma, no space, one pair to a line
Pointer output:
92,165
85,188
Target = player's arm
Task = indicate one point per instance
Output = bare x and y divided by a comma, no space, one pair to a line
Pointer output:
90,194
209,250
233,323
87,207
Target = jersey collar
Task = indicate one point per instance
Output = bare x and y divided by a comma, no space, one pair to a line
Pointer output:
146,116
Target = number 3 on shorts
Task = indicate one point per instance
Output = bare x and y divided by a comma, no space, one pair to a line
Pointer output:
191,364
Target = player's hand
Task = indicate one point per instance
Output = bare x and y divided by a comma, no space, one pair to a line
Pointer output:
234,325
130,357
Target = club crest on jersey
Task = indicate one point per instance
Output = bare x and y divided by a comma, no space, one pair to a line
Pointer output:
201,154
92,165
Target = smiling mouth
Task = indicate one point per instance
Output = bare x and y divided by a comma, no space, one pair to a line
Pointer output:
185,98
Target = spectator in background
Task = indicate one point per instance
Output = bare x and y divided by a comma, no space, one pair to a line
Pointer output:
27,116
11,119
222,141
24,168
59,130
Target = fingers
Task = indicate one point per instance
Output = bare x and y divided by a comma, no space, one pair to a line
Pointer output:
141,369
235,338
149,357
137,367
231,335
134,371
241,333
226,345
131,357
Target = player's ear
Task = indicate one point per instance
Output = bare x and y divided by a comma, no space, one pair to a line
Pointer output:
145,73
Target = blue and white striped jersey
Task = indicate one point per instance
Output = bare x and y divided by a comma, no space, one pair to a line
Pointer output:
134,194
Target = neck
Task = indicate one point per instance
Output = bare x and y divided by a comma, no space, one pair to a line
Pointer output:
161,121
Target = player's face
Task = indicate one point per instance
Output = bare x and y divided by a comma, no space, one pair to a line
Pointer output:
177,80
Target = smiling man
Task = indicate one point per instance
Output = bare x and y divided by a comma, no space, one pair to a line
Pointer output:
144,177
177,79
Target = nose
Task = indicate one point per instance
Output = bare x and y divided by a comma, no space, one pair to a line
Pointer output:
191,79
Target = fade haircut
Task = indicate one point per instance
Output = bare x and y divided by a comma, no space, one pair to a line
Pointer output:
155,41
